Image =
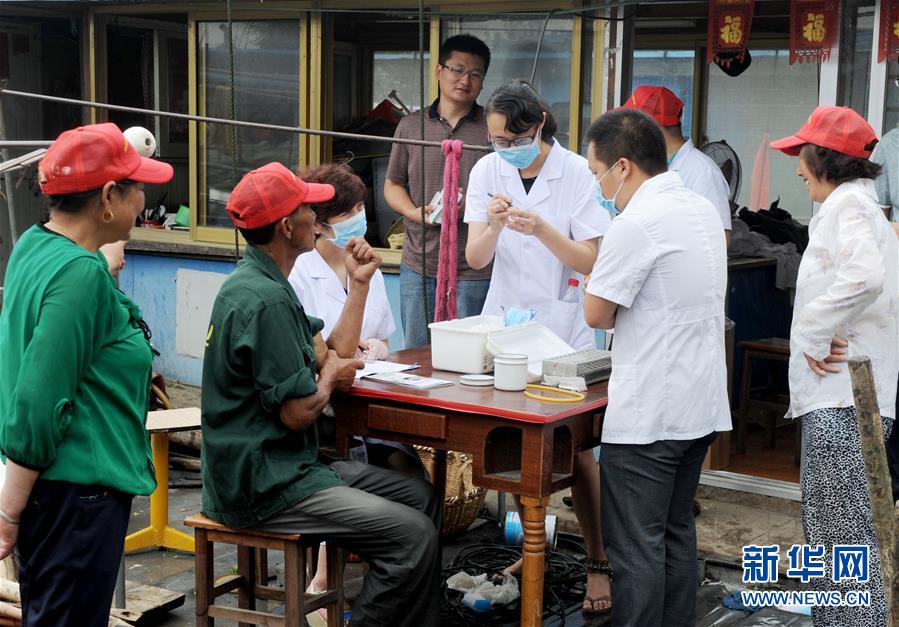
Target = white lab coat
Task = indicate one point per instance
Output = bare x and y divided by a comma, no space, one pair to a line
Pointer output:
664,263
322,296
702,175
526,274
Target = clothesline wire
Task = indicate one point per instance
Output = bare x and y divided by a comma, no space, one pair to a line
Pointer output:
413,13
210,120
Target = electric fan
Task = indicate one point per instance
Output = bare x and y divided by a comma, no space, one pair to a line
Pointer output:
729,163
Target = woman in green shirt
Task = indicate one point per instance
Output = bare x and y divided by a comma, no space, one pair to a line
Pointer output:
74,382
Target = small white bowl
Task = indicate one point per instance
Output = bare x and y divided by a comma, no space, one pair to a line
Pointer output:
480,380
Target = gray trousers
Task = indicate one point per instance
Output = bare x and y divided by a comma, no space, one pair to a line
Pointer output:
648,530
390,520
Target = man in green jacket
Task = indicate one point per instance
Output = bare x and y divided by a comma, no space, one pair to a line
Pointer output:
267,375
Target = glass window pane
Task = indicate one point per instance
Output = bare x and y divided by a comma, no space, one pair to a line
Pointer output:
855,55
399,70
672,69
266,90
586,82
772,97
60,75
513,46
130,74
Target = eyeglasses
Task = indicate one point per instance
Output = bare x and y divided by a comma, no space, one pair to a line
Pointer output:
460,72
518,142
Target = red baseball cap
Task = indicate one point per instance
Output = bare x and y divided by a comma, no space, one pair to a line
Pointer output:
272,192
838,128
88,157
659,103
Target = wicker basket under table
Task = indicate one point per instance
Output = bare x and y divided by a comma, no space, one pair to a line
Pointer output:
463,499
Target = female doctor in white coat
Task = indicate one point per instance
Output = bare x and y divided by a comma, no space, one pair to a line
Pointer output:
532,209
319,278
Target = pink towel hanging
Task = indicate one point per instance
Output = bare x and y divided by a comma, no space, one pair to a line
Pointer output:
449,233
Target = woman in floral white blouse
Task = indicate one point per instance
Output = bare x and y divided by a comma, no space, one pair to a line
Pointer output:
846,305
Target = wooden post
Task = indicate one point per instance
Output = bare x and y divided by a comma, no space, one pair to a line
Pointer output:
533,555
880,488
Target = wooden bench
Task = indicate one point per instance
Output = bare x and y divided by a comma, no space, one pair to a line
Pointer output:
251,579
770,349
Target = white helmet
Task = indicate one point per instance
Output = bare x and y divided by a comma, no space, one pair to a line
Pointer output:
142,140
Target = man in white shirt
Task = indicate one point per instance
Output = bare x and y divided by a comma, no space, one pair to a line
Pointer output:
660,282
886,153
697,171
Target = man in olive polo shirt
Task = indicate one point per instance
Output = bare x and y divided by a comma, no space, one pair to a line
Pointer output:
261,399
461,67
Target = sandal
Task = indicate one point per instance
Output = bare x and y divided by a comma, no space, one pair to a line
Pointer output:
603,567
318,618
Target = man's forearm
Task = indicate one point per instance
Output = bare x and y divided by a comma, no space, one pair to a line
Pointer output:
400,201
298,414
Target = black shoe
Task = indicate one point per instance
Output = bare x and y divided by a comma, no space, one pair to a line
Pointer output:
566,500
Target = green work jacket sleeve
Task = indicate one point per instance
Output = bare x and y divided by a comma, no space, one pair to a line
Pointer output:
283,361
73,317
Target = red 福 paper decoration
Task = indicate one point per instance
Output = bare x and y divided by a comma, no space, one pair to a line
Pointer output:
813,28
730,22
888,47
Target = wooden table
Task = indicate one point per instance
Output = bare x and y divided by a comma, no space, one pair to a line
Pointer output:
519,445
160,424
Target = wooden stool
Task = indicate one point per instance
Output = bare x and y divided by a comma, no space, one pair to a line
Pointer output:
770,349
250,543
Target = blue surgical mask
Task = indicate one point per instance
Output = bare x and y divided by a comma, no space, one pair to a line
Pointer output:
348,229
520,156
605,203
608,203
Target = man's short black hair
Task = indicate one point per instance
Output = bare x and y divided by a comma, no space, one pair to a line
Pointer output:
632,135
837,167
259,236
464,43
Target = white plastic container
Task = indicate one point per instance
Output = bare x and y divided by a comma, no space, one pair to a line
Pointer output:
510,372
461,345
531,339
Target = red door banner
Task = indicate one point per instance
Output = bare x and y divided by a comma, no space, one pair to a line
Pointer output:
889,30
729,24
813,28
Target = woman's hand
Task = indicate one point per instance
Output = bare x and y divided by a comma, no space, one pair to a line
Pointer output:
373,349
837,354
9,535
498,211
524,222
361,260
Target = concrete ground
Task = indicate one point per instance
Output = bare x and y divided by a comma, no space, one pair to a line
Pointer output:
729,521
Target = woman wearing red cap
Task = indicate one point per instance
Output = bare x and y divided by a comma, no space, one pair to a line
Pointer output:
846,302
74,383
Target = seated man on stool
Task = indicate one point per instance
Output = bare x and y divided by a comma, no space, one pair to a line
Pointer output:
267,374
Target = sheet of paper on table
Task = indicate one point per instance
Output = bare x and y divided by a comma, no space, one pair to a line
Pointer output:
409,380
381,367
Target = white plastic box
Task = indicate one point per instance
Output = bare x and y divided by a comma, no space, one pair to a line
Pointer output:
531,339
461,345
